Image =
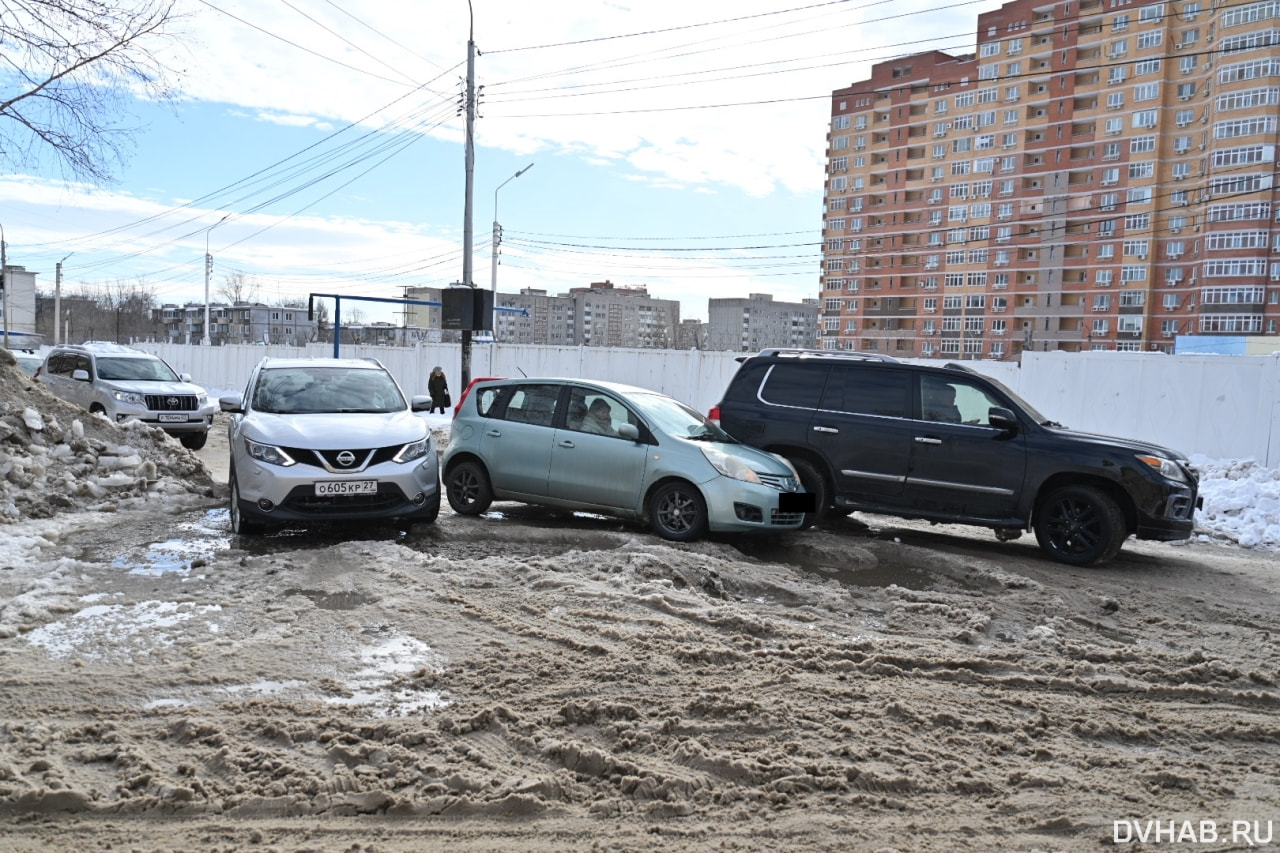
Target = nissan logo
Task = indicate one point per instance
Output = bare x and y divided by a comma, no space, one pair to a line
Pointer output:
346,459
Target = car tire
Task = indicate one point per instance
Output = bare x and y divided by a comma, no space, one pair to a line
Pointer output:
98,409
240,525
468,488
677,512
194,440
1080,526
814,482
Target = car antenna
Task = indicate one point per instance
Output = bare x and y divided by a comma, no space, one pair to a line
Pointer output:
522,373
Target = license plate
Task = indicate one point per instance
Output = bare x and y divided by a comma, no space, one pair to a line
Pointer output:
347,487
173,419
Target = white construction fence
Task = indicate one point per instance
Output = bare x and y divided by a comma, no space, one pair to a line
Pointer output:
1222,407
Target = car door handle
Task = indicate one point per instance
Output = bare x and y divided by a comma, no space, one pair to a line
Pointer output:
566,443
831,430
494,433
928,439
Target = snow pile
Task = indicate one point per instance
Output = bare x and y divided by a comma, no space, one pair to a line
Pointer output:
1241,502
55,457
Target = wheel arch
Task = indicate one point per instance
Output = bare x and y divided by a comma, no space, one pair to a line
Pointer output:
1110,488
457,460
658,484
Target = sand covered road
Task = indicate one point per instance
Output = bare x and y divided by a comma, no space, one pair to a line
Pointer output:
523,681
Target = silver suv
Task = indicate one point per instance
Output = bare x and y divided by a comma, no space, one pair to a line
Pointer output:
328,439
122,383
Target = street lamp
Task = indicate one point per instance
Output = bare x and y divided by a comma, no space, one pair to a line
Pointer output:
497,241
208,268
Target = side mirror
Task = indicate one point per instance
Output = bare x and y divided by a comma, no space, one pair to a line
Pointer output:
420,403
231,404
185,377
1002,418
629,432
80,375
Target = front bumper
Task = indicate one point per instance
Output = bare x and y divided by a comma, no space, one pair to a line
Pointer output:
272,494
1170,517
735,506
198,421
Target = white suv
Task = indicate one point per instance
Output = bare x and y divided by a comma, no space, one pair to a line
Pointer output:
123,383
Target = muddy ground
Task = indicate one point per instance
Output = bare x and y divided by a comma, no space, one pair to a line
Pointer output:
528,681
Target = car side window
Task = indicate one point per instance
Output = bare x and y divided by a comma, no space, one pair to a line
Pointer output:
868,392
532,404
798,385
600,414
955,401
485,400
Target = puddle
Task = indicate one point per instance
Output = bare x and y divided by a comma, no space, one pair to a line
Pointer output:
196,543
333,600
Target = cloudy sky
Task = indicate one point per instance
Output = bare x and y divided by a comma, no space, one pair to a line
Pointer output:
317,146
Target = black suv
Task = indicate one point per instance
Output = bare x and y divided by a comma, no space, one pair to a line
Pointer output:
874,434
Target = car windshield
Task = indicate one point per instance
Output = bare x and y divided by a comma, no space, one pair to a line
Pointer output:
326,390
675,418
135,369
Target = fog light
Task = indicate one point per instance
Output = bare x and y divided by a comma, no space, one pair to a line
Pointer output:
419,499
265,505
748,512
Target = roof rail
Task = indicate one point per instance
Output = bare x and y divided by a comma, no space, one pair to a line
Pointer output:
826,353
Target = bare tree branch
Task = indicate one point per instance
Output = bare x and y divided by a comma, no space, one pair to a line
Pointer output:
68,71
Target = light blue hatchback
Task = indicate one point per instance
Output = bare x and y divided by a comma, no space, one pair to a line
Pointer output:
615,449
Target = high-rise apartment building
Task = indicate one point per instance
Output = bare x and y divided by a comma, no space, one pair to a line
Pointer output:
1099,175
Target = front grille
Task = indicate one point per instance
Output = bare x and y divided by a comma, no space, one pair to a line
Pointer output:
776,517
304,500
172,402
365,456
781,482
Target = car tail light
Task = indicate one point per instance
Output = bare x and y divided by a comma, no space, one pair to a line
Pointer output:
714,415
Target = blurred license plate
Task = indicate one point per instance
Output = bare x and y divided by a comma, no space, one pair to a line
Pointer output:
797,502
173,419
348,487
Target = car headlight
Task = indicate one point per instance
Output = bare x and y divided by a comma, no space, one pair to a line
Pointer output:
1164,467
730,466
132,397
202,400
268,453
413,450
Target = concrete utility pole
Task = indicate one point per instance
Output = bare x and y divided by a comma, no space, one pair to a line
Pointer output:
470,106
208,269
57,302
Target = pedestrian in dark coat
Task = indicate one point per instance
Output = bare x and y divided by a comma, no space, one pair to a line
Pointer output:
438,388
